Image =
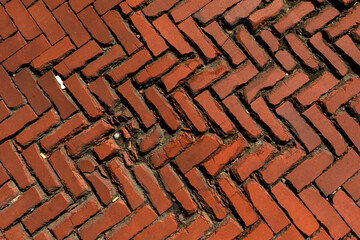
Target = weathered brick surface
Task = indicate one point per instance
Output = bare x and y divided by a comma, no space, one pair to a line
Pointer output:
179,119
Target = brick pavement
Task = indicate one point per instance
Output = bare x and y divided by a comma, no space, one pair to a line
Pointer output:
168,119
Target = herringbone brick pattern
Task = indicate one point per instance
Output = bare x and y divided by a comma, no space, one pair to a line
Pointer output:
168,119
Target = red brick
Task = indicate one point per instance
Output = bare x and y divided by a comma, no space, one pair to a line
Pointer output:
46,22
130,94
83,97
10,45
77,216
174,185
214,9
177,75
281,163
306,134
122,32
27,53
338,173
108,217
290,233
234,53
171,149
164,109
320,20
3,175
44,235
94,24
4,111
64,106
316,88
341,95
155,69
151,186
253,160
35,97
78,5
287,87
130,66
285,59
16,122
242,75
138,220
321,235
77,144
260,232
294,16
212,201
172,34
106,149
187,8
22,19
153,41
158,6
20,206
236,109
103,91
225,155
266,206
134,3
263,80
194,230
276,127
80,57
160,229
113,54
41,168
271,41
270,11
53,54
347,45
348,210
229,229
326,128
251,46
46,212
150,140
334,60
238,200
102,187
324,212
202,149
125,183
351,19
206,77
8,192
215,113
190,29
11,96
352,187
16,232
310,169
6,25
71,25
301,216
102,6
67,173
52,4
356,33
64,132
125,8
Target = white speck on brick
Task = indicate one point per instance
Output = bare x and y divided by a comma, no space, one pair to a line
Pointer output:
59,80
